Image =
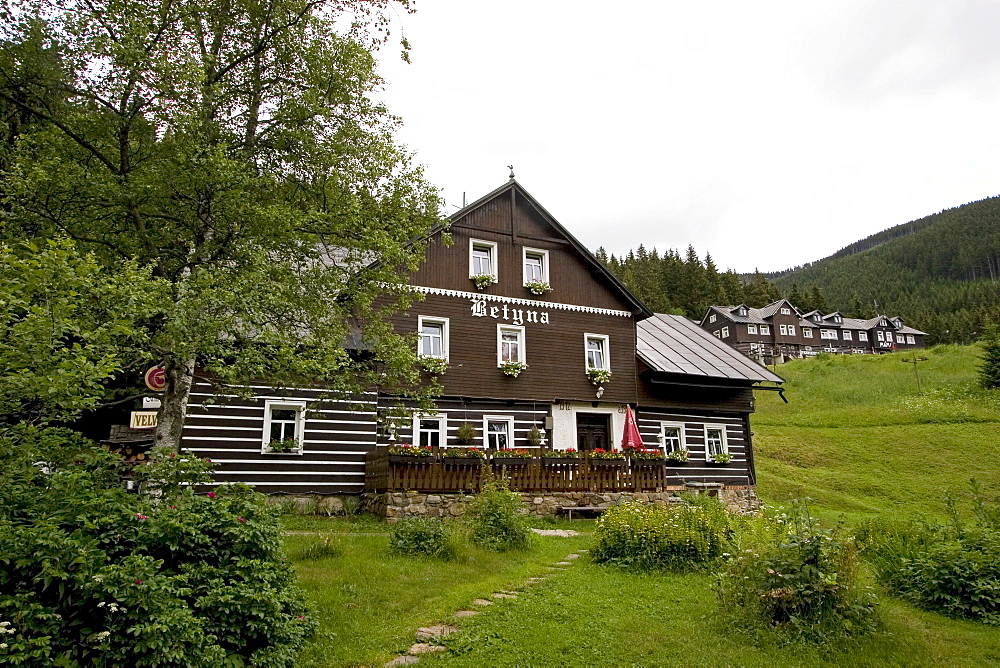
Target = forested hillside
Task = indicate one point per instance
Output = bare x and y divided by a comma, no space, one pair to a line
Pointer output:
669,283
940,273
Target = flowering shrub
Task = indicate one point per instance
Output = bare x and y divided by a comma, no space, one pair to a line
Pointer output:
283,445
519,453
645,453
538,287
435,365
676,537
513,369
677,456
569,453
411,450
599,376
795,577
496,518
421,536
601,453
93,575
483,281
464,453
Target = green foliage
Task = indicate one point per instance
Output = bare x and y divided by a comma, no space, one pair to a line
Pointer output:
804,581
496,518
951,568
989,368
426,536
67,326
93,575
678,537
466,432
238,153
324,547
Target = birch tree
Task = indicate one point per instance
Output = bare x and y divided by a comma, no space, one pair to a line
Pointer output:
234,149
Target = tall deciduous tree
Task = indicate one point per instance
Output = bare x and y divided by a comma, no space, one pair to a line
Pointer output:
235,149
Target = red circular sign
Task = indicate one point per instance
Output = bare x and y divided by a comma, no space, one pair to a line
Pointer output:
156,379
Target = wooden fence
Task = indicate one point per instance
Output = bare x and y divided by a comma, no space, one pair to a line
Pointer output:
534,475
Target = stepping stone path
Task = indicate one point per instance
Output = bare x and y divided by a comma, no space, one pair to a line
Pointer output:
432,633
562,533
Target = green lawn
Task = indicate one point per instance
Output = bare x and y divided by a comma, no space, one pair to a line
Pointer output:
857,437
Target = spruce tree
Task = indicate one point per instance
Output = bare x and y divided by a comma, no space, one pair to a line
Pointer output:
989,369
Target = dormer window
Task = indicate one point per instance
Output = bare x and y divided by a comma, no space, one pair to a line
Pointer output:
742,312
786,311
711,318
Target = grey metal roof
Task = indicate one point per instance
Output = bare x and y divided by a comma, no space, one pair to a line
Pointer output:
906,329
727,312
674,344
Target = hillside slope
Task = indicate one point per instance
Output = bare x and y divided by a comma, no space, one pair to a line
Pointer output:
941,272
860,438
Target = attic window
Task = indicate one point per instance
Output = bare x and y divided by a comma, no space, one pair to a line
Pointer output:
711,318
786,311
536,266
742,312
483,258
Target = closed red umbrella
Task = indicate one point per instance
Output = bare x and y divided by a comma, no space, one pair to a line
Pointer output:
631,437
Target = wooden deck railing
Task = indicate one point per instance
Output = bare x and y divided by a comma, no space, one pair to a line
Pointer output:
537,475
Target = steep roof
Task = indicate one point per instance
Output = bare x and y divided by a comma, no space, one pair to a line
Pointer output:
600,271
674,344
728,312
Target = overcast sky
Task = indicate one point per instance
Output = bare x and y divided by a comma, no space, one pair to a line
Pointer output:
767,133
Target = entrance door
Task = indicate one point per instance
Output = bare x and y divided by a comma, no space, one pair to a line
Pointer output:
592,431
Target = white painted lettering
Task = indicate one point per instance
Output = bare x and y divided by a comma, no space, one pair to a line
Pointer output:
518,316
545,318
479,308
494,312
532,316
505,312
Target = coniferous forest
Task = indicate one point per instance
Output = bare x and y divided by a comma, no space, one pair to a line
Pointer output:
940,273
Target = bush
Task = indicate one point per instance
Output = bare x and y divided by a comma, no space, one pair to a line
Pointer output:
93,575
496,519
797,578
421,536
949,568
679,537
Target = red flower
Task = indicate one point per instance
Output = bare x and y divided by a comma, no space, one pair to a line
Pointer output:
173,506
138,582
211,495
208,460
141,516
241,519
172,455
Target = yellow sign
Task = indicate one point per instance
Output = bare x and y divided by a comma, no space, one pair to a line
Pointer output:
143,420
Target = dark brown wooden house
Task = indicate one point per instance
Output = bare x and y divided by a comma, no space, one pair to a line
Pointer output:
780,331
535,333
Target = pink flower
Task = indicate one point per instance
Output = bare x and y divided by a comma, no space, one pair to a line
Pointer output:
172,455
241,519
138,582
209,461
302,616
173,507
141,516
211,495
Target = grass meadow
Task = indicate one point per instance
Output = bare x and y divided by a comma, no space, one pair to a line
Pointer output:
857,437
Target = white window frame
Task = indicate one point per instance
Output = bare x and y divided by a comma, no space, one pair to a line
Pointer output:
606,346
786,311
783,329
791,330
881,335
508,420
900,338
543,254
442,419
862,336
300,422
491,247
445,326
751,329
847,335
765,330
725,333
911,340
807,332
725,440
828,334
711,318
522,355
662,438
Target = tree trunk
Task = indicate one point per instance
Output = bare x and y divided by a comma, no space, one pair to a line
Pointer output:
173,409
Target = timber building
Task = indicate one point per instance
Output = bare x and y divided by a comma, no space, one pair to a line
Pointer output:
781,331
535,333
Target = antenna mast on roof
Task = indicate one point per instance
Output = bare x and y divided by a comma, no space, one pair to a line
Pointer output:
463,199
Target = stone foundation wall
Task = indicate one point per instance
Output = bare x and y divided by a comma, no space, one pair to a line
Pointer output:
394,505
